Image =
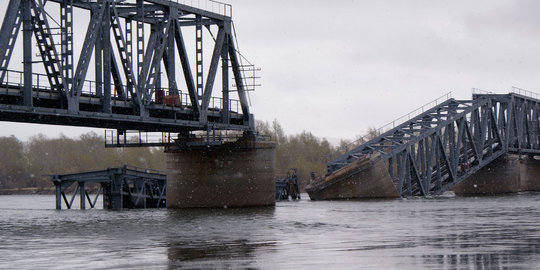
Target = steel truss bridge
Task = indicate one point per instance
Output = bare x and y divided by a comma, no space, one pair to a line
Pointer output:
435,150
124,74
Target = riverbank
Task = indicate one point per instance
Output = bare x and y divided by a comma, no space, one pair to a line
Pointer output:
28,191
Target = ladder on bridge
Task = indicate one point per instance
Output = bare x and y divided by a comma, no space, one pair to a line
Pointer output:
437,149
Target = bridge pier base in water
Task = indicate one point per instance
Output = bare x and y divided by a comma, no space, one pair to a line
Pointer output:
507,174
237,174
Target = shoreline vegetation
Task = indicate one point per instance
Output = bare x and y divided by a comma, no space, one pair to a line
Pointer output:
25,166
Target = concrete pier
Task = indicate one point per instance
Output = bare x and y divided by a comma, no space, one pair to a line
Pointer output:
507,174
235,174
529,174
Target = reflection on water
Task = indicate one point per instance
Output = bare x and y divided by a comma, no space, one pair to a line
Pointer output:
500,232
476,261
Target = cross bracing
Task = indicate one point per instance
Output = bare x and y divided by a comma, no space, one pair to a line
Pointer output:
133,68
434,151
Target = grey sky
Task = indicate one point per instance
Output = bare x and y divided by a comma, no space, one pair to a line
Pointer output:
336,68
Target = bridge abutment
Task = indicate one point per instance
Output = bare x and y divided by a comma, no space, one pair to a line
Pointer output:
235,174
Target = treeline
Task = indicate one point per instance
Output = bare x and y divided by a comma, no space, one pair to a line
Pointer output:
28,164
305,151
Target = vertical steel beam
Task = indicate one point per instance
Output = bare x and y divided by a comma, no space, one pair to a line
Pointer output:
171,55
129,56
66,42
199,55
27,52
107,54
157,73
98,59
141,81
225,110
140,37
58,188
82,195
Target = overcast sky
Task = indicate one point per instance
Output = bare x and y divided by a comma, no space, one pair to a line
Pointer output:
335,68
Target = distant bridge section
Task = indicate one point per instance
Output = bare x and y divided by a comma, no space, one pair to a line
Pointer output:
435,150
136,68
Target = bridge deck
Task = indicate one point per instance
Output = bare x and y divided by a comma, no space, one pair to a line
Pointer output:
48,109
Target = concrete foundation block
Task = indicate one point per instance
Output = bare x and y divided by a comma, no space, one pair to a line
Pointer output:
230,175
500,176
529,171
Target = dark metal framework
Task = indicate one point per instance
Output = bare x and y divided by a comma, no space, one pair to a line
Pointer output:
434,151
129,42
124,187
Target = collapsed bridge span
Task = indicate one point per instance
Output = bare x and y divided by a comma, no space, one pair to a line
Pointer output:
435,150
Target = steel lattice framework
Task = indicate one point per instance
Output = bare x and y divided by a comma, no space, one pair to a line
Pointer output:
434,151
130,43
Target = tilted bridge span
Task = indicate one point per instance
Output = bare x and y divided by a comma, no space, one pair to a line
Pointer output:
437,149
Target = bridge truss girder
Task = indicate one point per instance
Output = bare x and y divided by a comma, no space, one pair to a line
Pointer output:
127,60
436,150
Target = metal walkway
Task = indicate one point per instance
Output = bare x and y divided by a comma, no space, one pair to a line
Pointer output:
440,147
135,69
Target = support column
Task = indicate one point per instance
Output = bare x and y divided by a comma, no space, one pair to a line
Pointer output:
27,53
66,32
199,56
82,194
225,81
98,53
58,196
171,70
232,175
107,65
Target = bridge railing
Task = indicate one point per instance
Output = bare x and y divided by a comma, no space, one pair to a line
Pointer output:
516,90
414,113
398,121
524,92
136,138
15,78
477,91
40,81
208,5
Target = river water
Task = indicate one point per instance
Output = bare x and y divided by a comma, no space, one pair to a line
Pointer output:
499,232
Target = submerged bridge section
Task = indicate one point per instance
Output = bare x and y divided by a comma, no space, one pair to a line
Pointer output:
123,187
436,150
123,73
